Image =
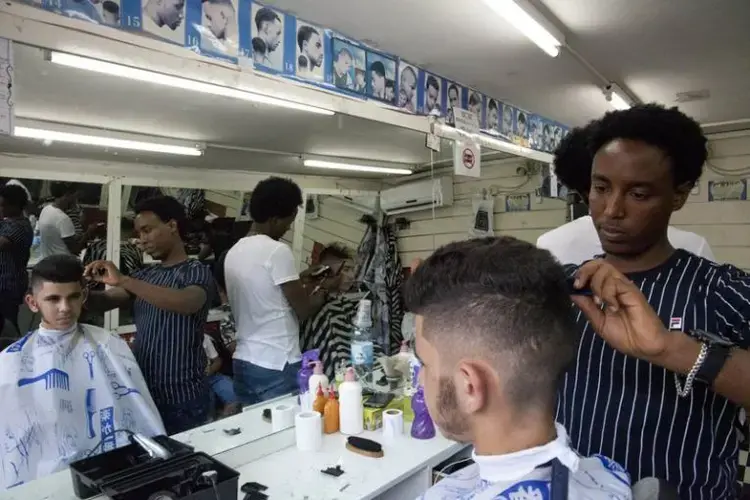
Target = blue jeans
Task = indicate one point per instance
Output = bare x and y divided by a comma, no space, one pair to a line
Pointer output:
253,384
222,387
181,417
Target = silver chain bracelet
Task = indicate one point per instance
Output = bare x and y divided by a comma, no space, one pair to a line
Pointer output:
683,391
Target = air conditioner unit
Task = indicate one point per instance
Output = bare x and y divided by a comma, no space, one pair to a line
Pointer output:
416,196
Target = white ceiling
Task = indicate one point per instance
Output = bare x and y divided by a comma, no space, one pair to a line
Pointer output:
654,48
49,92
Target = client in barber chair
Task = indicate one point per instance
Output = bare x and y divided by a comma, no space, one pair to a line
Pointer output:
494,335
330,329
69,390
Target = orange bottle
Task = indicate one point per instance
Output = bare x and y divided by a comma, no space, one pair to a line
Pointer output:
331,414
320,401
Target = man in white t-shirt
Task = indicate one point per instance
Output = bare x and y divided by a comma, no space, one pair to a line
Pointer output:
57,233
577,241
267,297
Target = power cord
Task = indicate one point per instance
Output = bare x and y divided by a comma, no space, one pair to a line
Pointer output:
101,441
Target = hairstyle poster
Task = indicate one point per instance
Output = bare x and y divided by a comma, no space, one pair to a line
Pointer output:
535,131
408,85
381,77
431,102
107,12
267,37
492,114
218,30
521,128
348,66
165,19
474,101
310,60
454,92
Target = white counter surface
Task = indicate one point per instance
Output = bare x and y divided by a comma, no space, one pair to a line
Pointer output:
294,475
274,461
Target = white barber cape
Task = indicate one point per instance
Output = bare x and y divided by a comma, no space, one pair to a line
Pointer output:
66,395
577,241
525,476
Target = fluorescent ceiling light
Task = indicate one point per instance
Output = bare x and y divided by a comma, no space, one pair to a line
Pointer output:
142,75
110,142
356,168
531,23
617,98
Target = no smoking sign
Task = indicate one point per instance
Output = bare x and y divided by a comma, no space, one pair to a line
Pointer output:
466,159
469,158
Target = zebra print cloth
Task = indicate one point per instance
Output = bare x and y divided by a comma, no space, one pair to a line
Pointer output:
131,258
330,330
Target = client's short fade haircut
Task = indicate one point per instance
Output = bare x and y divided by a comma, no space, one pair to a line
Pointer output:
507,302
59,269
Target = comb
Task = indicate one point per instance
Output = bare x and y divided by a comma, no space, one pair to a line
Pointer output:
365,447
53,379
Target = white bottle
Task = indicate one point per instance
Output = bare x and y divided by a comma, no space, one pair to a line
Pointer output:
317,378
351,411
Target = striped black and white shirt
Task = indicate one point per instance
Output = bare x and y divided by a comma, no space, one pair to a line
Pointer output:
14,278
168,345
628,409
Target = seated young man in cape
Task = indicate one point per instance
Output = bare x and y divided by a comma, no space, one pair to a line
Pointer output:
494,334
69,390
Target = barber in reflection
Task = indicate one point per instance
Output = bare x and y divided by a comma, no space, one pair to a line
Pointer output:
170,307
267,296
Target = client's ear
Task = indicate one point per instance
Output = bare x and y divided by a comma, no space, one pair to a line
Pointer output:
415,263
31,302
84,295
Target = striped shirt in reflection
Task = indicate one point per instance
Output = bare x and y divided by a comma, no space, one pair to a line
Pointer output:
14,279
168,345
629,410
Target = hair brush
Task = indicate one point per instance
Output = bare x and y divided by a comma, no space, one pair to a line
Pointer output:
366,447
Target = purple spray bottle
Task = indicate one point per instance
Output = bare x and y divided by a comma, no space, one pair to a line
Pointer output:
303,377
422,427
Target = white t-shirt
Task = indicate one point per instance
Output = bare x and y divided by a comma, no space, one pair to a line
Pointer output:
577,241
54,227
267,327
523,475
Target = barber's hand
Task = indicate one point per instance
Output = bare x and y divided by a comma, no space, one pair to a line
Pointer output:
627,322
104,271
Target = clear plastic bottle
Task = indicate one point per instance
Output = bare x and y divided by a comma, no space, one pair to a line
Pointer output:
362,348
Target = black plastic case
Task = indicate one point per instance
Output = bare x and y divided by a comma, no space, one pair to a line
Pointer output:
129,473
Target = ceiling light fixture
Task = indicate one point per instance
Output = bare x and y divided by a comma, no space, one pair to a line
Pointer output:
617,98
356,168
142,75
531,23
110,142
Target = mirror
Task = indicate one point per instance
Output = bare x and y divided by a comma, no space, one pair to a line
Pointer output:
60,217
334,228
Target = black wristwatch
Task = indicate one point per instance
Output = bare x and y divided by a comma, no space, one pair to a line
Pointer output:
718,352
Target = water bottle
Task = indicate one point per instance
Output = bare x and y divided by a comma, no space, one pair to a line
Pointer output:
362,348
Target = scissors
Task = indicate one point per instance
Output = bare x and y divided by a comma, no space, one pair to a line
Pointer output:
89,357
121,391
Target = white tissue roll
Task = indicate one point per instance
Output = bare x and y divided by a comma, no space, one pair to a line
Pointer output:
282,417
393,424
309,431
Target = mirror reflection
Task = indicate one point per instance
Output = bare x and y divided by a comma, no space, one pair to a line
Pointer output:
42,218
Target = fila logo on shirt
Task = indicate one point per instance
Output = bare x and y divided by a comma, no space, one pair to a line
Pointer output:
675,324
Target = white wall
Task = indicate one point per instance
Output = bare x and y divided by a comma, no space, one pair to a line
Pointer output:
453,223
336,223
726,225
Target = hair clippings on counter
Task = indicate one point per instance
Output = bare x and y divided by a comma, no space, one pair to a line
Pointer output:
232,432
333,471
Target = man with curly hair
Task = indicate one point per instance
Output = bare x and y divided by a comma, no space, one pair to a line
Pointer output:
657,389
577,241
